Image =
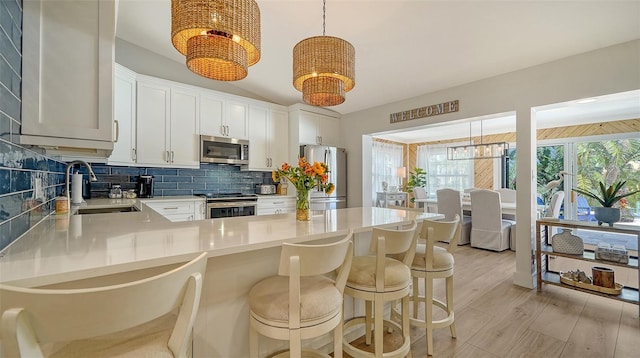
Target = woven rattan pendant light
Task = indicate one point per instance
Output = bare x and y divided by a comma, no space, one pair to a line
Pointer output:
220,39
324,68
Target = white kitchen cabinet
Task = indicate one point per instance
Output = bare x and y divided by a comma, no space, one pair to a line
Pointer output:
279,138
167,125
124,148
184,144
312,126
222,117
318,129
268,135
236,119
178,210
68,76
152,112
277,204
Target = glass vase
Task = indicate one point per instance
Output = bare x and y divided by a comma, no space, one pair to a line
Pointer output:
302,205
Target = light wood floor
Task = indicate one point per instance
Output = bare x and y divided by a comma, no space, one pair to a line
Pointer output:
495,318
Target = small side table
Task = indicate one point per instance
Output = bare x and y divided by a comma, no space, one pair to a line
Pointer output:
396,198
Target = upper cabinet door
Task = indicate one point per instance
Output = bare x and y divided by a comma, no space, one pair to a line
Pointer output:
124,149
185,142
236,119
278,138
211,116
259,143
153,124
68,69
328,130
309,128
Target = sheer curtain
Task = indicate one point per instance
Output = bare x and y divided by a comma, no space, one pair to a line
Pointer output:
387,158
443,173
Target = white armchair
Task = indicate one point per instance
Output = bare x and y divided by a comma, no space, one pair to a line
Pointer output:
419,193
450,204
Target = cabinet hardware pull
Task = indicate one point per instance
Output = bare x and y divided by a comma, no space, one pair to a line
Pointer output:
117,124
133,154
171,208
172,155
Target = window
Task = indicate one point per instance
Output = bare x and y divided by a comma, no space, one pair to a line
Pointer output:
589,163
443,173
386,159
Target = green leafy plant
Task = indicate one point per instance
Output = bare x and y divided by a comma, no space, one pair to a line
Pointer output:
607,196
417,179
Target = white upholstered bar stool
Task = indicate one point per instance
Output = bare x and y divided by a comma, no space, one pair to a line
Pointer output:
131,319
302,301
434,262
377,279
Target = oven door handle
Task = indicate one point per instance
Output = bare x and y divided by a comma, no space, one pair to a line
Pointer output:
231,204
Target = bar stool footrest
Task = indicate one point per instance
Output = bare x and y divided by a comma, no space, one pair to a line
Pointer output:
306,353
402,351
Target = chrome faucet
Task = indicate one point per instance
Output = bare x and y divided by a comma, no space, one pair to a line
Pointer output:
66,177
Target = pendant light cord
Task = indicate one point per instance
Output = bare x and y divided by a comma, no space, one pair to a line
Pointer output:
324,16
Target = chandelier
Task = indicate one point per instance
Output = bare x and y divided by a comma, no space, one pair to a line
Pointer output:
220,39
324,68
477,151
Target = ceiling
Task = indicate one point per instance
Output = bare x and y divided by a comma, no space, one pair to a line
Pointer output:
407,48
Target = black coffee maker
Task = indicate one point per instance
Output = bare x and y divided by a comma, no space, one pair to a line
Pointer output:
145,186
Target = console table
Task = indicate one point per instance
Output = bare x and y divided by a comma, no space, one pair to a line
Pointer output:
544,250
397,198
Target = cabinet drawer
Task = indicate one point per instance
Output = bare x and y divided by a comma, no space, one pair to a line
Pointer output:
280,202
395,197
276,205
173,208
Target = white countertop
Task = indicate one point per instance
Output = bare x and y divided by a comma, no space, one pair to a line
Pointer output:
68,247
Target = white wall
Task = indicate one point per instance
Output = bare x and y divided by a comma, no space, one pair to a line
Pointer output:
609,70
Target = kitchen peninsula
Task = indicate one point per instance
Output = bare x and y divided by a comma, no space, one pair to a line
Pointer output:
241,250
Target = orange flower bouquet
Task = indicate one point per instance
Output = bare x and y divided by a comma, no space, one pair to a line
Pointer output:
305,177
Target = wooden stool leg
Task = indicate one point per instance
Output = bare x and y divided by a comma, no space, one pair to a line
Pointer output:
406,329
295,344
416,296
337,339
428,312
253,342
449,288
367,322
378,330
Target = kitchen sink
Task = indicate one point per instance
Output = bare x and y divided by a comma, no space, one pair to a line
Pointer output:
106,210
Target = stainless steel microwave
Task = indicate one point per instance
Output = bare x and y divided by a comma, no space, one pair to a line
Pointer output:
224,150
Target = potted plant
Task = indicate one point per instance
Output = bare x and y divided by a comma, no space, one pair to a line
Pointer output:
417,179
607,197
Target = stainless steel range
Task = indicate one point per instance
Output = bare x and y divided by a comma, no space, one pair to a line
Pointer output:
224,205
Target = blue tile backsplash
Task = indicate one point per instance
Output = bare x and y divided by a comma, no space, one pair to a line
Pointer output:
210,178
30,181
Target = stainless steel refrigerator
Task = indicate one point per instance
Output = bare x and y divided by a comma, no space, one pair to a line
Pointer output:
336,159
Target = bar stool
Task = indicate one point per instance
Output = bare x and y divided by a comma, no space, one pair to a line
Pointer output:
301,302
134,319
377,279
432,262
